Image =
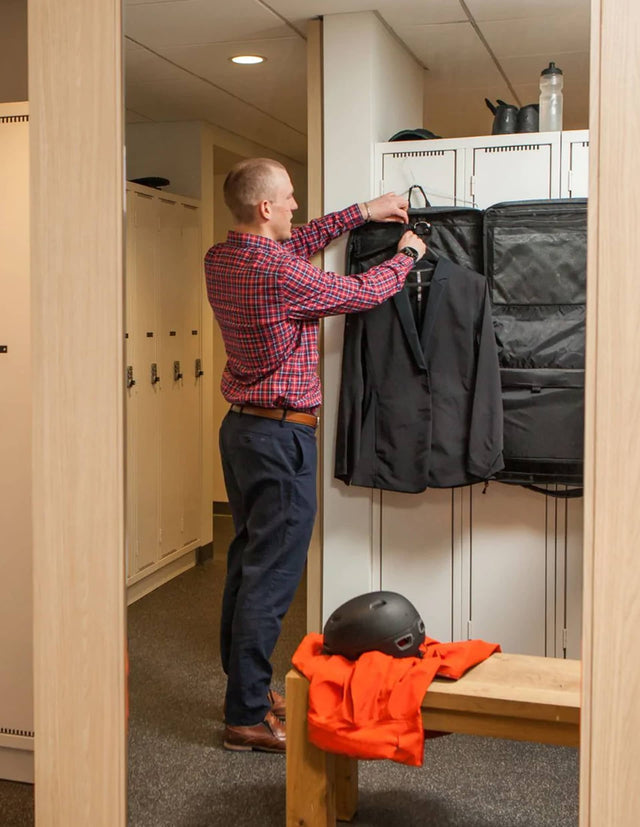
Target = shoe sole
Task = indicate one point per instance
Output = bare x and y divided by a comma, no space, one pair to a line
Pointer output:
244,748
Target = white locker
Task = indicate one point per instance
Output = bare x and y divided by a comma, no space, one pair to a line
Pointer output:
437,171
418,555
574,181
504,565
507,567
513,168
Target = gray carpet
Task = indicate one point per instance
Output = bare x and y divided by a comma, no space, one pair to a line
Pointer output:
180,776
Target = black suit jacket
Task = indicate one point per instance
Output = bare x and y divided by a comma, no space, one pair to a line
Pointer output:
422,407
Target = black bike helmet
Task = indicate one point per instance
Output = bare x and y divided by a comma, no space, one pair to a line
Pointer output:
382,621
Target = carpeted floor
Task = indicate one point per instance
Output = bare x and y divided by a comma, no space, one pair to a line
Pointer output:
180,776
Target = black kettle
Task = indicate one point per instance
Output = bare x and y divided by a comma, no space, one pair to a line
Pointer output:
505,117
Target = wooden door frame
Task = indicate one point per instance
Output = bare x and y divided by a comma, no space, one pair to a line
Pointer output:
77,204
77,195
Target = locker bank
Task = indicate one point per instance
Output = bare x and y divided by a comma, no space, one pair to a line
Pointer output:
110,463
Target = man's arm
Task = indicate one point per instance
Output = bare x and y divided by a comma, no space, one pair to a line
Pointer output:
308,240
310,293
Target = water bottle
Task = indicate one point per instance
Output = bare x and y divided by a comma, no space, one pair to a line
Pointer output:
551,99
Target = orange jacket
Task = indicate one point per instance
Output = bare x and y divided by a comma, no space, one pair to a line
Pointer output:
370,708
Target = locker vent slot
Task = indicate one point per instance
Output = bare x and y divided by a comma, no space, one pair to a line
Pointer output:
14,119
426,153
518,148
194,332
172,333
22,733
149,334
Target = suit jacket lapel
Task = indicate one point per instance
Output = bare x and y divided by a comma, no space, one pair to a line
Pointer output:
436,292
403,307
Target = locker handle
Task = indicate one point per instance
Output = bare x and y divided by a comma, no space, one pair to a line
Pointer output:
154,373
199,371
130,380
177,374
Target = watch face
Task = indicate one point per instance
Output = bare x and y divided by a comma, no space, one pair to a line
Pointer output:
409,251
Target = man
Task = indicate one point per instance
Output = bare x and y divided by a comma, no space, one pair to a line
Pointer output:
268,299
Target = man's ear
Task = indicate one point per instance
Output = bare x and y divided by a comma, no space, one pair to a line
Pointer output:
264,210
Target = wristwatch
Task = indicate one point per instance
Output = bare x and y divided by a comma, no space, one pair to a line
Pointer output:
411,252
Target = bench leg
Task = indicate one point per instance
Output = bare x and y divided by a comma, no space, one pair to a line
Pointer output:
311,790
346,775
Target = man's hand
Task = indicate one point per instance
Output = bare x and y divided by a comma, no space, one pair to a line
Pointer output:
387,207
410,239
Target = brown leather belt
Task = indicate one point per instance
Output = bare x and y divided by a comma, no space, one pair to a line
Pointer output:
278,413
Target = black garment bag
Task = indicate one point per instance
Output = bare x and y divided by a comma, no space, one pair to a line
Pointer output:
535,262
420,401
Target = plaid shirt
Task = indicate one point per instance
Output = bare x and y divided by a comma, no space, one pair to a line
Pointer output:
267,299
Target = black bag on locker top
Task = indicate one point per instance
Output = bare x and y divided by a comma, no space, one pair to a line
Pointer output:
535,261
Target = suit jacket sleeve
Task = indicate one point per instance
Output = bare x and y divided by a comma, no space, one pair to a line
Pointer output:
351,400
485,433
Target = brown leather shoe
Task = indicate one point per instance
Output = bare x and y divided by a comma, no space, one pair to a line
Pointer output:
278,704
269,736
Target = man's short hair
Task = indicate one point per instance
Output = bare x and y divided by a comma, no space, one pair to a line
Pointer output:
248,183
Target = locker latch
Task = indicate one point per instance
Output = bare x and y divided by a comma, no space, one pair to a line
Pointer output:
154,373
199,371
130,380
176,371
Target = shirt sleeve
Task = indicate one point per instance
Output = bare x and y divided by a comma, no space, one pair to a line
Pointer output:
308,240
310,293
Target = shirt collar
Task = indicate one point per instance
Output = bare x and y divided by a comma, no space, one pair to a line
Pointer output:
251,240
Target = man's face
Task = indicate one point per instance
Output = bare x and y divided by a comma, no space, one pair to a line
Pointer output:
282,206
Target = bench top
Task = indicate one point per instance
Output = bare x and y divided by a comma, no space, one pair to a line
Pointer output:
520,686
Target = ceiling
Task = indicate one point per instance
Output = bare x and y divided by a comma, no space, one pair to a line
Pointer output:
177,63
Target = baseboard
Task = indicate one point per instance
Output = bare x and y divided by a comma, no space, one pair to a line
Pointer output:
221,507
204,553
161,576
16,762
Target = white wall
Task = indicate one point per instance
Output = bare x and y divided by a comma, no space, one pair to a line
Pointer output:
167,150
372,88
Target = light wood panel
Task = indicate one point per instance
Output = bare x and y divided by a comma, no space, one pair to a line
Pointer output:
610,757
77,323
314,210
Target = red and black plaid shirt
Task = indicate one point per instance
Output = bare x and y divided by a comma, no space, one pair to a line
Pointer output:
267,299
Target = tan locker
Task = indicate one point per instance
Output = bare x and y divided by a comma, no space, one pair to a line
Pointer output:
144,451
192,371
164,412
16,593
171,345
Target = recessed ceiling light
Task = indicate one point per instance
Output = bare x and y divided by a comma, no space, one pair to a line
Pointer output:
246,59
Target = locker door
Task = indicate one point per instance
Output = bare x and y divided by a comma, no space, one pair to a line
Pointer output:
514,168
574,182
142,399
507,568
193,274
435,170
171,346
568,621
417,555
130,393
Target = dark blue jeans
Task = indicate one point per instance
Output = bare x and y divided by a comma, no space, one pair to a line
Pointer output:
270,474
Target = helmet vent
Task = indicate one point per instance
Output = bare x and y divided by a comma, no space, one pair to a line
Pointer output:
404,642
378,604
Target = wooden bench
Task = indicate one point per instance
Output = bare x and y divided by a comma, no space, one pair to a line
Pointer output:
519,697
